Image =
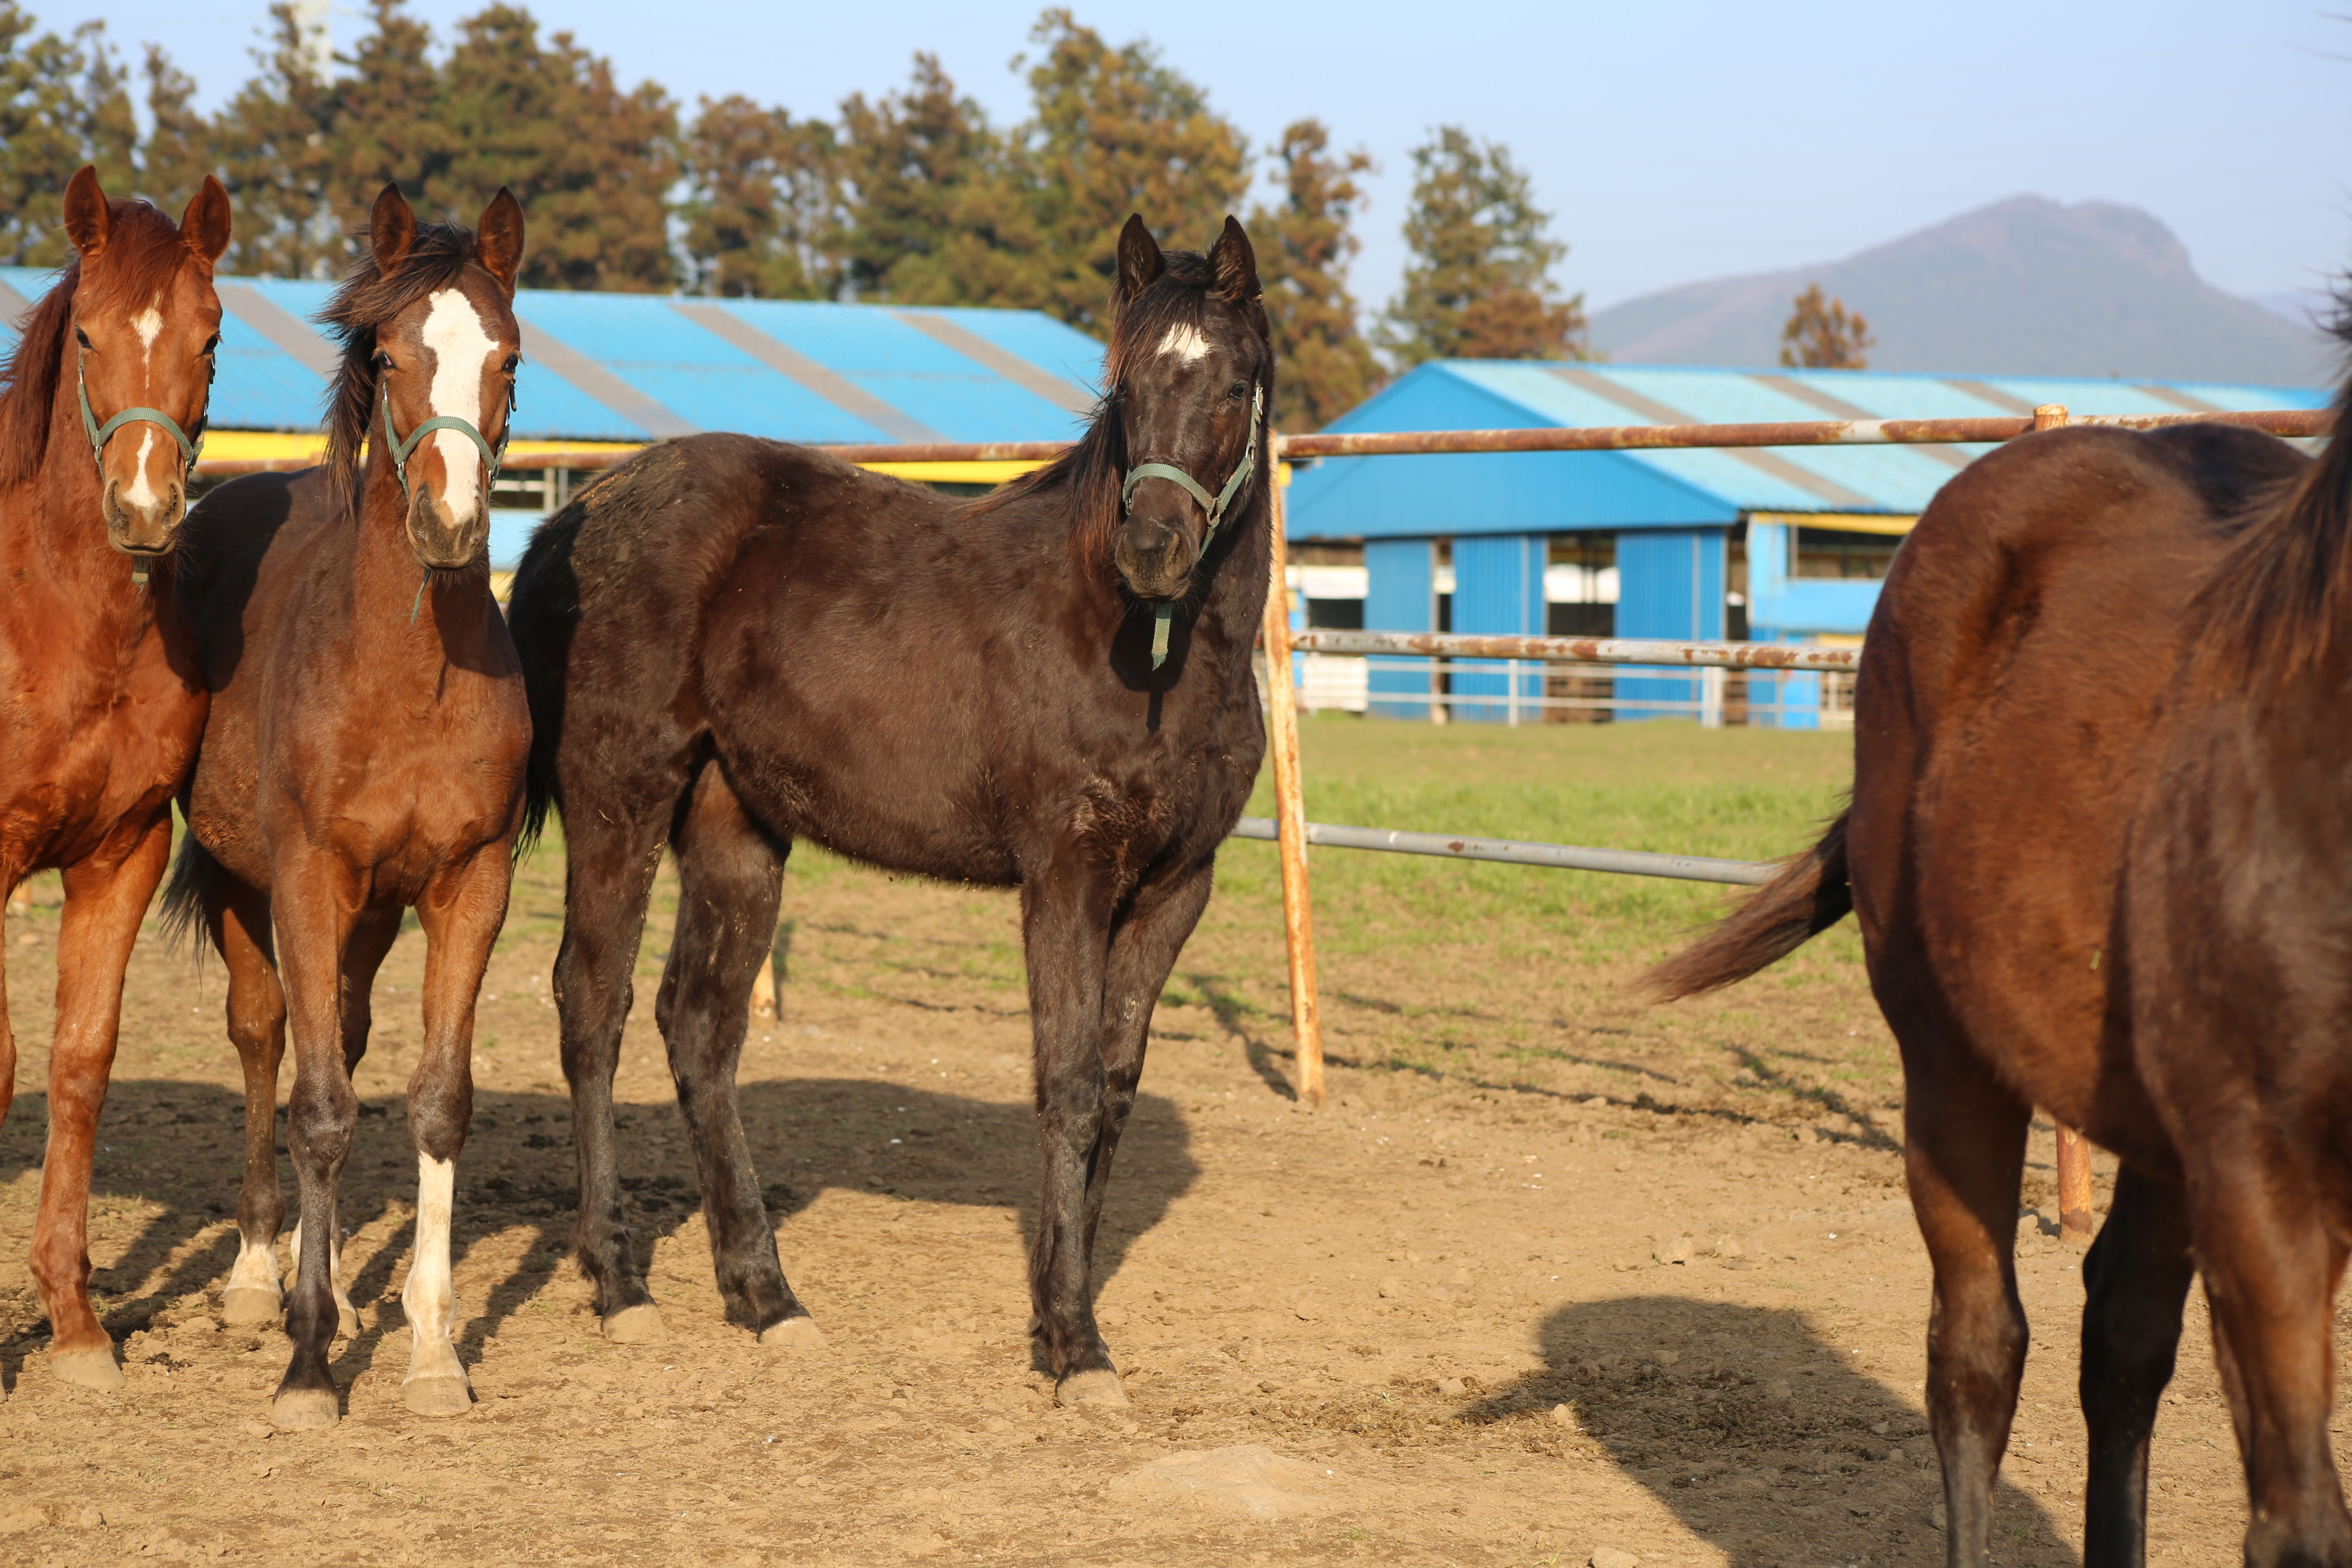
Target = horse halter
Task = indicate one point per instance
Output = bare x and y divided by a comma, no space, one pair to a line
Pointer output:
1216,508
493,457
190,447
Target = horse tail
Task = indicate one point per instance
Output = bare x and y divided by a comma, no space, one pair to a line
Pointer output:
542,611
1809,895
184,898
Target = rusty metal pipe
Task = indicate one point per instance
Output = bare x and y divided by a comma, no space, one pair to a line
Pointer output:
1583,650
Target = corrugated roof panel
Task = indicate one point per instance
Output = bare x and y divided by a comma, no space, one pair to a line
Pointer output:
2088,395
973,408
851,341
2248,399
1897,397
1051,345
1533,386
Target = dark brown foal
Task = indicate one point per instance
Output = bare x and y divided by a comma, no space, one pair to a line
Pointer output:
365,755
2100,846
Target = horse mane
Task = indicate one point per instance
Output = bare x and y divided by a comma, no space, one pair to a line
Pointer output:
1092,471
366,300
2283,596
143,250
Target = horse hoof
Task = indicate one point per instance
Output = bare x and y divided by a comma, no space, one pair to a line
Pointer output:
304,1410
250,1307
347,1323
794,1335
1089,1388
437,1395
638,1325
87,1369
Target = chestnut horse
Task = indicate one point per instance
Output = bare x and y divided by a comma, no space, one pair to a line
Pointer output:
2101,845
100,419
364,753
733,642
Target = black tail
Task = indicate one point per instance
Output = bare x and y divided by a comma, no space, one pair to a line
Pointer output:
1809,896
542,611
183,898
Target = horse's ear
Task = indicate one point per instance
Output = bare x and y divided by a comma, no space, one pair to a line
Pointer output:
502,237
203,228
392,229
89,219
1235,264
1139,261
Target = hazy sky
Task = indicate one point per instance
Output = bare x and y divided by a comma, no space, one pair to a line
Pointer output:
1671,143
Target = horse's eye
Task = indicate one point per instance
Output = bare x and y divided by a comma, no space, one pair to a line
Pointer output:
81,337
383,362
210,344
514,363
1238,391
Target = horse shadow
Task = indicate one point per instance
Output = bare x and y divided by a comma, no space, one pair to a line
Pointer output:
1762,1438
174,1151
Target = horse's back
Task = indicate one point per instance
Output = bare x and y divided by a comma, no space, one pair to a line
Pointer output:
2024,657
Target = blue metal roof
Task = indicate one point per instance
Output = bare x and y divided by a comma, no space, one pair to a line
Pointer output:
1557,492
627,367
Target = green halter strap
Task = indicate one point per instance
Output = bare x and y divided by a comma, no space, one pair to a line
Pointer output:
492,456
100,435
1164,614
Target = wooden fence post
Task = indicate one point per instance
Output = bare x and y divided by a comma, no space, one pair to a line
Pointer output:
1289,799
2073,1185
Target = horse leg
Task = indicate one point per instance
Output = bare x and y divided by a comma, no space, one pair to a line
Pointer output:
730,876
313,915
461,914
237,918
2271,1273
9,877
1142,950
1964,1151
610,857
2136,1279
105,900
372,936
1067,911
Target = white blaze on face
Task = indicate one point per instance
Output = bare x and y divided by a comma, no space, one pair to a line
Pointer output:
1185,342
141,494
147,323
453,331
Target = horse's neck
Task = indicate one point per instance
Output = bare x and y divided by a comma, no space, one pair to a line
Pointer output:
56,531
392,600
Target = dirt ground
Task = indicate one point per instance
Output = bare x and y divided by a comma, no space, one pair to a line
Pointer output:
1579,1278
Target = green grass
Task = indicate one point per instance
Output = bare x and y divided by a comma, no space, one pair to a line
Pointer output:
1745,794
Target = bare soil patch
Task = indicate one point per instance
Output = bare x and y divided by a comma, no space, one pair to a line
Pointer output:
1550,1274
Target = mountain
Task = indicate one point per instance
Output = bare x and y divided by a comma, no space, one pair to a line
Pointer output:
2025,286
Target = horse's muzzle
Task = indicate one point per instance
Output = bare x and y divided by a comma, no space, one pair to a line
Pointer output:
151,529
1155,559
444,542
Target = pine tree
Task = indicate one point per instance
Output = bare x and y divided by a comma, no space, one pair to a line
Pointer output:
1480,285
1115,131
941,211
387,126
63,101
1303,245
592,164
271,148
763,214
178,152
1823,337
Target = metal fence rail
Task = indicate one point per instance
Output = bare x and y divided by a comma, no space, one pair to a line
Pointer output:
1521,852
1583,650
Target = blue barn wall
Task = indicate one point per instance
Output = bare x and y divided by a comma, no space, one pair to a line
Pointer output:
1498,591
1669,585
1400,595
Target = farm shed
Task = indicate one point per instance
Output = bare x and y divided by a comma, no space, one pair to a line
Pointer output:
1780,544
623,369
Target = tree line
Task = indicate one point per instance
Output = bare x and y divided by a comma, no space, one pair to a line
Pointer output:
911,197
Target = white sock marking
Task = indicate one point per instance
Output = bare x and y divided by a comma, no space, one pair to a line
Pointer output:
255,1268
428,1298
453,331
141,494
1185,342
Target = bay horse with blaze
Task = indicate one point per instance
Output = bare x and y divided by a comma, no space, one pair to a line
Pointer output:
365,755
100,418
2100,846
732,644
